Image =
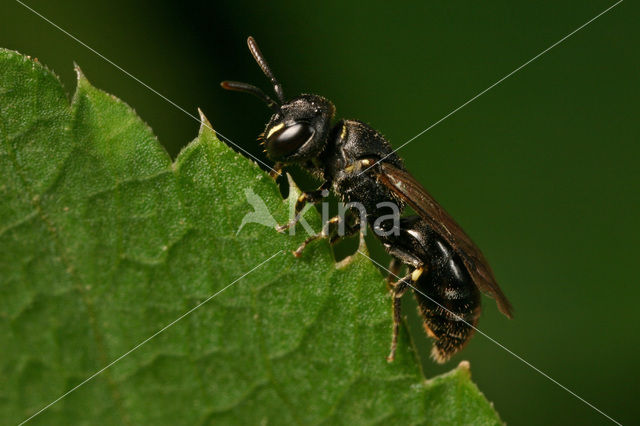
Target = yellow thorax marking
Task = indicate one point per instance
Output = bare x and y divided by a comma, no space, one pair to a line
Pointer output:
343,132
358,165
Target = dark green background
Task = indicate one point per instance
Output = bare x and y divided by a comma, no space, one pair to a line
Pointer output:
541,170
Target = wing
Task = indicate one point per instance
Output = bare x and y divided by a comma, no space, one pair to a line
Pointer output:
409,189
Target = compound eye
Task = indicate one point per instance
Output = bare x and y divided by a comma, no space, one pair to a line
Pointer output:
286,140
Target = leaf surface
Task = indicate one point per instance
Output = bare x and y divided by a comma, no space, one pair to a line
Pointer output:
104,242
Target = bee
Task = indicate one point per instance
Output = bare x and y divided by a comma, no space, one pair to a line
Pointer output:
445,269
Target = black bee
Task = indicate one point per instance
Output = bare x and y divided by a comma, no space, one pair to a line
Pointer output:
444,267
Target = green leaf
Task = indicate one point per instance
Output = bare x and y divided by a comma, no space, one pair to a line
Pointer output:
104,241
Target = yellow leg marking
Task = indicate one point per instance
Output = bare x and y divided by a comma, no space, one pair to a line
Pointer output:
429,332
415,275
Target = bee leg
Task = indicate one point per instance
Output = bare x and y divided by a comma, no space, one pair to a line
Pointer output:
312,197
394,269
331,230
399,288
276,171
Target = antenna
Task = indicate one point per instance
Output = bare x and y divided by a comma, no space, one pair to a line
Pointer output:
257,55
237,86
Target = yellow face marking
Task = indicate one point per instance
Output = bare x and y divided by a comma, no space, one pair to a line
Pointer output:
275,129
416,274
365,163
349,168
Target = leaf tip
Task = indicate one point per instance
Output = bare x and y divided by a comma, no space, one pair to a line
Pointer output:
83,81
78,71
345,262
465,368
294,190
204,122
362,250
362,244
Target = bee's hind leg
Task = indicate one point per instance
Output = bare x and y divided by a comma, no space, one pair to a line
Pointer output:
398,288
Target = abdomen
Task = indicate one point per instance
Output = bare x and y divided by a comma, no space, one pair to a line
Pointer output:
448,300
